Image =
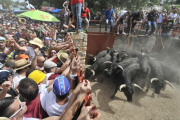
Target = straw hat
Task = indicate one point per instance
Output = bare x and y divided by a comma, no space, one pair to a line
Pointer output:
22,40
50,49
37,42
20,64
62,55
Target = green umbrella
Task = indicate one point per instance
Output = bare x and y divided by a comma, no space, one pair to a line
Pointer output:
39,15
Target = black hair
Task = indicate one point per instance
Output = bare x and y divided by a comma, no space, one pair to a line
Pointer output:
4,107
128,13
110,5
30,70
62,97
48,70
10,63
28,89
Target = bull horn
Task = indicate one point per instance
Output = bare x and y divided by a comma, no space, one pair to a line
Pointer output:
93,72
167,82
154,79
106,70
120,67
135,85
108,47
109,62
115,53
125,55
94,59
91,55
122,86
87,66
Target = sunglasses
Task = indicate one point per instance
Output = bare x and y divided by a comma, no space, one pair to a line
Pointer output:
21,107
22,43
53,52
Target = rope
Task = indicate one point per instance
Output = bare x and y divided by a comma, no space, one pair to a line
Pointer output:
80,78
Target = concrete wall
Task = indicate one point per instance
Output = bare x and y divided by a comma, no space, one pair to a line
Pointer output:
135,42
80,42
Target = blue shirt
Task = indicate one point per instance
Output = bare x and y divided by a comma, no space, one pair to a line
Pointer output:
109,14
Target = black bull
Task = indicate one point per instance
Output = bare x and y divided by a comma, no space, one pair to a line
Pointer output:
123,78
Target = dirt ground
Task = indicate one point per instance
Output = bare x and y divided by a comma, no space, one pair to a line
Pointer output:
165,106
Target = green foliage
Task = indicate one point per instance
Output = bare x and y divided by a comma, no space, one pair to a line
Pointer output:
6,3
45,3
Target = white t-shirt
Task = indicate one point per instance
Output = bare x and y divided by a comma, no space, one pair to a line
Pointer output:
25,118
121,13
173,16
16,79
48,102
161,18
30,52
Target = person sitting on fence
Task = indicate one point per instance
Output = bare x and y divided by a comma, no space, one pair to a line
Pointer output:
109,13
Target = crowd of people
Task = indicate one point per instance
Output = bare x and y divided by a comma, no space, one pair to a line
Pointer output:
38,70
154,19
38,73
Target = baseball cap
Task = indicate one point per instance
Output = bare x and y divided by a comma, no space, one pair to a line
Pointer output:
49,64
4,74
23,56
61,85
37,76
2,39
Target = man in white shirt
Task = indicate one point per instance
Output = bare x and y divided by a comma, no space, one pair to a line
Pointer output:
173,15
58,97
160,19
121,20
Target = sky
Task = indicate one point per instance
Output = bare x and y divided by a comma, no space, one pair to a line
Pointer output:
19,0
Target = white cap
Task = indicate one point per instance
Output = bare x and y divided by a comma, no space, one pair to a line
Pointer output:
49,64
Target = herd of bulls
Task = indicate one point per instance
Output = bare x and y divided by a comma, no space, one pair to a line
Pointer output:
130,69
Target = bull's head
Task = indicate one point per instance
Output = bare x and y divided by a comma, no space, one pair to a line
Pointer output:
129,90
159,84
89,73
92,59
115,69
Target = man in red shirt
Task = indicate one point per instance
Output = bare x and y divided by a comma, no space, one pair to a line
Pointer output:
84,16
76,6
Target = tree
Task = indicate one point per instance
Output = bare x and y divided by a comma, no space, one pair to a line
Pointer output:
45,3
6,3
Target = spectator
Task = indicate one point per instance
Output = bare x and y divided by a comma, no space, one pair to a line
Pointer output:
109,13
121,20
40,78
21,68
84,14
152,20
65,5
162,16
133,19
36,44
4,51
52,54
5,84
76,6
